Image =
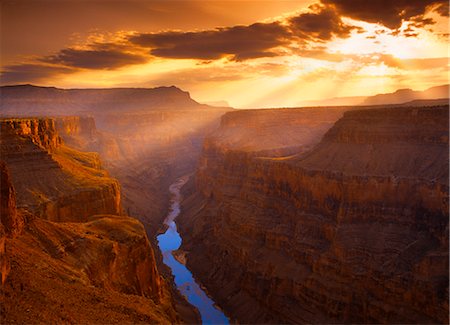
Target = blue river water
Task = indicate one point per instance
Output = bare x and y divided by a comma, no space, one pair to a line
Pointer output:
170,241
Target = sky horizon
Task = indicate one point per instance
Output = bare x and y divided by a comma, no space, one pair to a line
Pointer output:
248,53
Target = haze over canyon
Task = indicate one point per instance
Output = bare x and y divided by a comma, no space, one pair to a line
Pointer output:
215,162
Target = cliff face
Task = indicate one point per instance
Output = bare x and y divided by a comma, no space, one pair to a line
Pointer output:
53,181
98,267
354,230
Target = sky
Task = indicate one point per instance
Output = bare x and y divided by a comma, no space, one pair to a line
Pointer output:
249,53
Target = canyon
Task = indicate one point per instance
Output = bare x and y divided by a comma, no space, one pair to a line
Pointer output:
323,223
293,215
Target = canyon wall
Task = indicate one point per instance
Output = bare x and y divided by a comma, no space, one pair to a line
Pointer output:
53,181
354,230
64,244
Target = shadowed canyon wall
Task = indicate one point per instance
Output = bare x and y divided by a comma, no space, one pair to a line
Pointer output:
353,230
66,255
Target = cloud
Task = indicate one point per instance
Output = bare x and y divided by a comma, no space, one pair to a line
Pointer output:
303,34
389,13
241,42
21,73
321,25
247,42
97,56
237,43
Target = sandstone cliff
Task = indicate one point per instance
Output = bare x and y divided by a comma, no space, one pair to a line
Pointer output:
354,230
52,180
98,267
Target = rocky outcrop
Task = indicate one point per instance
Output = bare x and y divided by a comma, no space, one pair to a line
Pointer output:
54,181
353,231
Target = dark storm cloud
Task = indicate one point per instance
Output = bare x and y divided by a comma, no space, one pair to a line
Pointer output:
97,56
389,13
321,24
21,73
246,42
241,42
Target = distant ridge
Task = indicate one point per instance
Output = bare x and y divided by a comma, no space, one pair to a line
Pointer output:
405,95
36,100
400,96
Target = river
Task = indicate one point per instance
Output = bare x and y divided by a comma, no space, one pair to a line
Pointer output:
170,241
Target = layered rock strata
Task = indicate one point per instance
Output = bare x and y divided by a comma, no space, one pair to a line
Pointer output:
353,231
